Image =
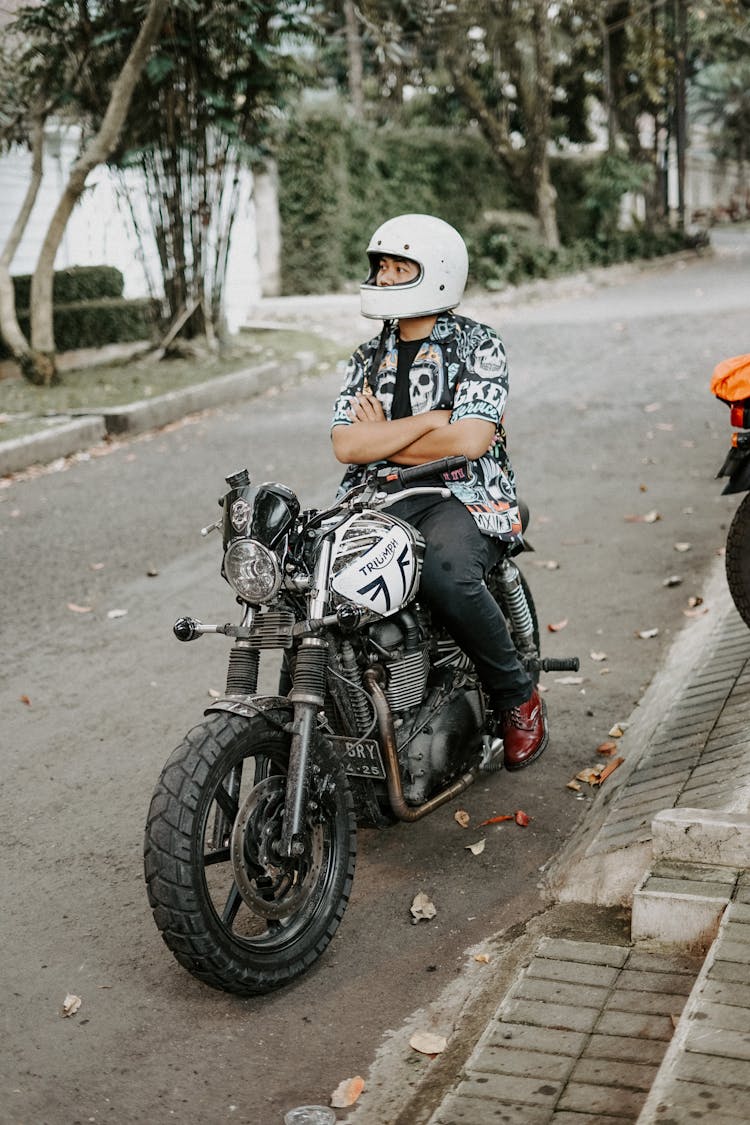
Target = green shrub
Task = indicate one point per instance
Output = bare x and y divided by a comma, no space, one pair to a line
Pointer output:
79,283
338,180
504,254
91,324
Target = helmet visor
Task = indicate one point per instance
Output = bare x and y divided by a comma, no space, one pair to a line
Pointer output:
392,270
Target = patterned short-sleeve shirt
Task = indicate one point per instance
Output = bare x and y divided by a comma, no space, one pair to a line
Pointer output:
462,367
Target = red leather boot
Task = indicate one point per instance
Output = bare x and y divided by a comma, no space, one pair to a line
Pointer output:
524,733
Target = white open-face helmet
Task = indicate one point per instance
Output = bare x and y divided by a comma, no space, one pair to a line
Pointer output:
439,251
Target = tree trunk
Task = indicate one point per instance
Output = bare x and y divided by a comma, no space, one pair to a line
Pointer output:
354,59
545,196
97,151
10,329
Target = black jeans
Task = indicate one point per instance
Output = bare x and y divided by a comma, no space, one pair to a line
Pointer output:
457,559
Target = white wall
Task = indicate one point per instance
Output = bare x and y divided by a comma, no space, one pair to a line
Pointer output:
100,230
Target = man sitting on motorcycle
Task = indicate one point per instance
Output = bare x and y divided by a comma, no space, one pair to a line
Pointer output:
432,385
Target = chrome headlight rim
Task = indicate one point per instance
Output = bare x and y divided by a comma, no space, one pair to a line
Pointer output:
241,568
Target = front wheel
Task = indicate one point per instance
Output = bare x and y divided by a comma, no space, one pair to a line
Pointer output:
233,912
738,559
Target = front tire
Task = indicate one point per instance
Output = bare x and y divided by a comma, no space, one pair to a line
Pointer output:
738,559
232,912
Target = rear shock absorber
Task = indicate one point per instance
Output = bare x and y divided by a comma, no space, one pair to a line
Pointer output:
516,605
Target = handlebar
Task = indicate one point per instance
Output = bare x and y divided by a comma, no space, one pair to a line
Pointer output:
427,471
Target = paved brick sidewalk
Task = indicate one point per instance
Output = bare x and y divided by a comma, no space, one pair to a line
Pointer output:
579,1038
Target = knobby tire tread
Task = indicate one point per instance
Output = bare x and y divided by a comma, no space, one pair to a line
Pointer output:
179,912
737,559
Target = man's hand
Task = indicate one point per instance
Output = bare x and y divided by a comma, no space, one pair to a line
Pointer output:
367,408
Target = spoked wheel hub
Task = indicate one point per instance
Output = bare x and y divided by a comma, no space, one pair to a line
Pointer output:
271,885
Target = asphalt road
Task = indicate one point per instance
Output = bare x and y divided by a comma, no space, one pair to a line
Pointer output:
610,418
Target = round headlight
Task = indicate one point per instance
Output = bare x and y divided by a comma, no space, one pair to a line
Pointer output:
252,571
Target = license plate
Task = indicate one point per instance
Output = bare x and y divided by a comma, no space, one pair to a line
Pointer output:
361,756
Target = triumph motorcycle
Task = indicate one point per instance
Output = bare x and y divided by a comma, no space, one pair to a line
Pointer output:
379,717
731,385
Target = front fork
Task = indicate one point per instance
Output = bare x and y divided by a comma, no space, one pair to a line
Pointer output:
308,697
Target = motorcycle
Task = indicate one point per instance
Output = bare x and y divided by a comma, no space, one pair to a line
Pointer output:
250,842
731,384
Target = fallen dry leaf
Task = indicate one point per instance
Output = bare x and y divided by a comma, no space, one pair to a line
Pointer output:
427,1043
647,634
71,1004
573,785
482,958
606,748
114,613
494,820
422,908
96,566
652,406
558,626
608,770
476,849
79,608
214,693
673,580
568,679
25,699
682,547
617,731
462,818
522,818
695,601
590,775
649,517
699,611
598,656
347,1092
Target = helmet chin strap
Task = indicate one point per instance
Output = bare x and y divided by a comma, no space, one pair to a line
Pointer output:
372,376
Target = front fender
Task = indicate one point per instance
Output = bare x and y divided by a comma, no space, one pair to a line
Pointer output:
248,706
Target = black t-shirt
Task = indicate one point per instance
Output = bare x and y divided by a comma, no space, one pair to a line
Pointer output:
407,353
401,405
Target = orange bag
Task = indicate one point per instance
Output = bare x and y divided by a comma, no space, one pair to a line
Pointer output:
731,379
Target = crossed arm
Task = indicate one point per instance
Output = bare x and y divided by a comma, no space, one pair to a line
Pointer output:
407,441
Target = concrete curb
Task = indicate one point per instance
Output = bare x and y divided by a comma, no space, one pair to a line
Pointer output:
48,445
578,873
73,435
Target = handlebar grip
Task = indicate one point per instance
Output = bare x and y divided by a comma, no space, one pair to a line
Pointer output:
551,664
432,468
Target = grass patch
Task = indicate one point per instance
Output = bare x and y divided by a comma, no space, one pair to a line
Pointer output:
88,389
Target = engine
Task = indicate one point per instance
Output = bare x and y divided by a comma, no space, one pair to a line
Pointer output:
433,697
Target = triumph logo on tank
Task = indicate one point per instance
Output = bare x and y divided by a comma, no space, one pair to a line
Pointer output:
381,559
381,578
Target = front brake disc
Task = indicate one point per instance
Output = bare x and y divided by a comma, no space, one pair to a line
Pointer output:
272,886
